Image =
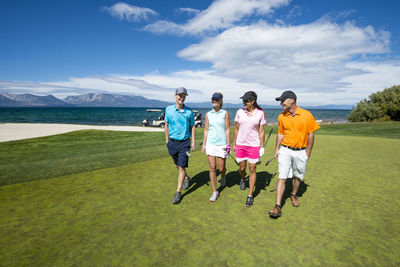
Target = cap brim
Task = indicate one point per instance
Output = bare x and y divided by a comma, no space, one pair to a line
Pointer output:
247,98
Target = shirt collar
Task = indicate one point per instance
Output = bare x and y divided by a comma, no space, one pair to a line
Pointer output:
184,107
299,112
247,112
219,111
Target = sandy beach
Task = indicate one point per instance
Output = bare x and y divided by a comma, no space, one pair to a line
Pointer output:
19,131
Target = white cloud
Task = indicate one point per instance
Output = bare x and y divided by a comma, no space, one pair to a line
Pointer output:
200,84
368,78
58,89
324,62
164,26
128,12
315,59
221,14
372,77
311,57
294,12
187,10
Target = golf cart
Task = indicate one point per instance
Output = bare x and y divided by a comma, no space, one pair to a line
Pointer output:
154,117
197,118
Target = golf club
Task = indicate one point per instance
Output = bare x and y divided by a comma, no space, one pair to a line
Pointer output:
188,152
234,159
266,164
226,149
270,132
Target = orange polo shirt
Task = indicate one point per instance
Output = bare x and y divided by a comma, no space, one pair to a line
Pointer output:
295,129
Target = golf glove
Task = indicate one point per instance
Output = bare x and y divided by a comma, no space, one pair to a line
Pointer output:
228,149
261,151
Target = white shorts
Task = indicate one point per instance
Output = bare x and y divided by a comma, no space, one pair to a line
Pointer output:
216,151
292,163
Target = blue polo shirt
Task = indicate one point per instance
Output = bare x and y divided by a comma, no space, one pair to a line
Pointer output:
179,122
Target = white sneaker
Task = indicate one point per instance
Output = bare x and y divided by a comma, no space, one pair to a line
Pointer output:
214,196
222,182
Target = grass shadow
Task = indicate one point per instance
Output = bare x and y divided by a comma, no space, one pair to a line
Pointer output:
263,181
197,181
232,179
288,190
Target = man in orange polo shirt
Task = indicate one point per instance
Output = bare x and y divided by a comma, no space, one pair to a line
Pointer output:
294,144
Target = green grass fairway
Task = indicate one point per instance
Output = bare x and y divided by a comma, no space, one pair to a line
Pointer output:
99,198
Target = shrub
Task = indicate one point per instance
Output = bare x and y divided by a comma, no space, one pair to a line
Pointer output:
380,106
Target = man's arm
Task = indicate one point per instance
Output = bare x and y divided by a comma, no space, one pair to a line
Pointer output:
279,139
310,144
193,137
166,132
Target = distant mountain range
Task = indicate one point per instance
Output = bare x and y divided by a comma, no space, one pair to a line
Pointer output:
277,106
88,100
113,100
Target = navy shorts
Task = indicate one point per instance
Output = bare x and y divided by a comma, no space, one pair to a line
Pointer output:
177,150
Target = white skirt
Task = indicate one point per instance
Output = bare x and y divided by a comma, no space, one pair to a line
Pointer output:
217,151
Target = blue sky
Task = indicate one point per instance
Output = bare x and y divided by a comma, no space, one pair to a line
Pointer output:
328,52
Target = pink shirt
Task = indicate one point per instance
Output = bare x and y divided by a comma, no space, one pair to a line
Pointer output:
248,127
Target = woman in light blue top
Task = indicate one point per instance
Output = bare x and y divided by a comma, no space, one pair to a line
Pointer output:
216,141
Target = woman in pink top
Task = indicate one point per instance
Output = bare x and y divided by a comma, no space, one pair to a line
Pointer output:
248,140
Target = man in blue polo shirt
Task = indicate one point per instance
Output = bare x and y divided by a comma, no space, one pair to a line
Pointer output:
179,126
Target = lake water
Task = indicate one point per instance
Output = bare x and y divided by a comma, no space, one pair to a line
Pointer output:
127,116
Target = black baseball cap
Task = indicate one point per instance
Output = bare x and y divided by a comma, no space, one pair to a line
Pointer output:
249,95
285,95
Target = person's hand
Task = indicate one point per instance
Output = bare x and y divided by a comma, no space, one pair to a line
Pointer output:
228,148
203,149
308,153
193,147
261,151
234,148
277,154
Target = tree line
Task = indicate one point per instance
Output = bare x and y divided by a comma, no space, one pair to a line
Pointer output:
379,106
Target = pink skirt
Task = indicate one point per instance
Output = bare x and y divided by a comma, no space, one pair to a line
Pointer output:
249,153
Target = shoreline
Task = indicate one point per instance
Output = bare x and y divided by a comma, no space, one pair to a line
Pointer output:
20,131
11,131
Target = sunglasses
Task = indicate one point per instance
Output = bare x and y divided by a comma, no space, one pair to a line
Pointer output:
246,101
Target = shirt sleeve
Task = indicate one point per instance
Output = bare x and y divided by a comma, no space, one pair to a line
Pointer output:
166,115
280,129
237,117
263,120
191,118
313,125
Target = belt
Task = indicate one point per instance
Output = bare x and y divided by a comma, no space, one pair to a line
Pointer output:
179,140
294,148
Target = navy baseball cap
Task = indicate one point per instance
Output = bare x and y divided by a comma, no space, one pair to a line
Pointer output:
217,96
285,95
